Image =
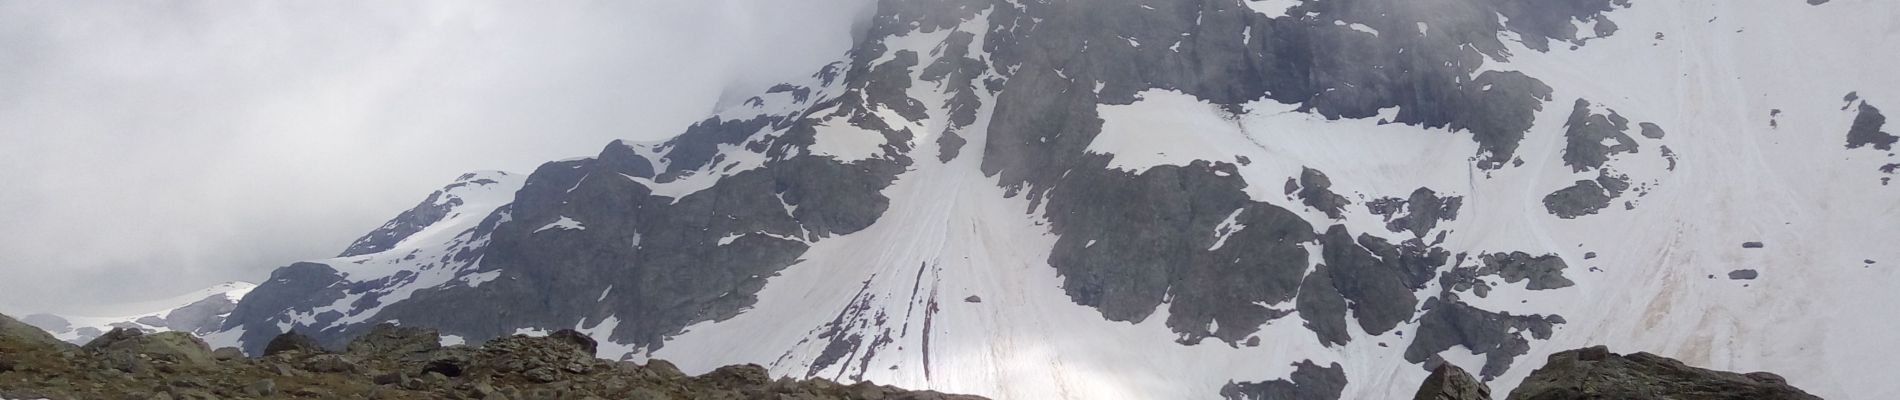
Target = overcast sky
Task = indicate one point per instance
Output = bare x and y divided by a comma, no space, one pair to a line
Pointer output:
153,148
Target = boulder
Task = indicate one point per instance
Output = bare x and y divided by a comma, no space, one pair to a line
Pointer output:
579,340
292,341
173,347
1448,382
1596,373
227,354
395,341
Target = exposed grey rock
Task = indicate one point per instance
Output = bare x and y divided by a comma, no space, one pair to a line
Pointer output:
299,287
430,211
1499,336
1653,131
1380,298
1316,191
1586,197
1323,308
1596,373
1448,382
1752,245
1743,274
151,320
1867,130
1309,381
396,341
1586,131
201,317
1544,272
1423,211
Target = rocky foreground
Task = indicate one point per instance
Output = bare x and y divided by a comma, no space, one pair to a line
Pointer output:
392,362
389,362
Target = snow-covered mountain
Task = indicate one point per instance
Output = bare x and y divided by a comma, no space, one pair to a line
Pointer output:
1208,198
201,312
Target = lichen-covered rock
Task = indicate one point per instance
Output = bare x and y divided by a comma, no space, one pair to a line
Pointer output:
178,348
395,341
1596,373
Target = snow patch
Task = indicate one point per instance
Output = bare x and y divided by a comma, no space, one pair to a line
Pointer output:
564,223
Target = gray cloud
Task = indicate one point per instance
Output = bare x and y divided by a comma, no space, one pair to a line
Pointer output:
153,148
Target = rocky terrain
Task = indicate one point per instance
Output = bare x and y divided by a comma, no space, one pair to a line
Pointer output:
389,362
1596,373
392,362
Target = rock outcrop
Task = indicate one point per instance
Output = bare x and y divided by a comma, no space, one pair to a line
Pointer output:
1596,373
1448,382
389,362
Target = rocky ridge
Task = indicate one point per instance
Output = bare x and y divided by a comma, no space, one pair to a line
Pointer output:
1596,373
394,362
388,362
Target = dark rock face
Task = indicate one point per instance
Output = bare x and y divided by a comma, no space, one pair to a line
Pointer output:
201,317
430,211
1544,272
300,287
1867,130
1448,382
1308,382
1418,214
1596,373
1323,308
1586,133
1316,190
1380,296
1743,274
1584,198
1497,335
